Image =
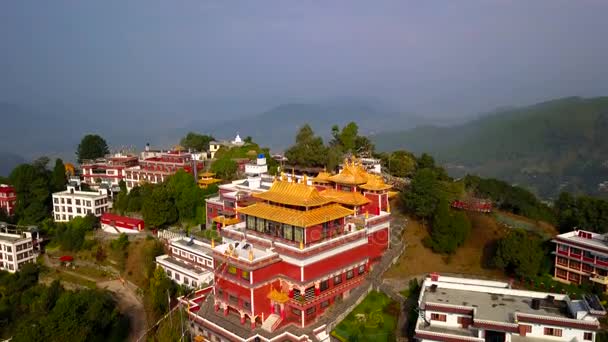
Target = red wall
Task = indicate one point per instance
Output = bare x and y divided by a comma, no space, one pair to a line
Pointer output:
313,233
378,243
273,270
340,260
372,207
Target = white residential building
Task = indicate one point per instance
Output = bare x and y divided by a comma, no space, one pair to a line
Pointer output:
15,250
471,310
189,262
73,203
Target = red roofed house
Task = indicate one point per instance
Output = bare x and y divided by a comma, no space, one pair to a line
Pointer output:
8,199
117,224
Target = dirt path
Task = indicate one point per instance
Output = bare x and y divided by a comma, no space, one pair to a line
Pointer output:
129,304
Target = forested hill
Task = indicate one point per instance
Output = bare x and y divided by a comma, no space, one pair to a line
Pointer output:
548,147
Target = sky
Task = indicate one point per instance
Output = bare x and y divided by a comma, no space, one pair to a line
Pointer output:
426,57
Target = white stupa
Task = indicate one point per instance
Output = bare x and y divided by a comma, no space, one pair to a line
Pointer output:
237,140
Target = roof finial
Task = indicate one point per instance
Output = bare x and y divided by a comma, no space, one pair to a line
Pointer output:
301,244
212,243
250,254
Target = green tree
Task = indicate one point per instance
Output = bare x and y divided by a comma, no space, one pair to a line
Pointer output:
160,287
135,199
92,146
401,164
197,142
308,150
121,203
348,137
188,196
423,195
450,229
121,243
31,183
224,168
519,253
58,178
158,209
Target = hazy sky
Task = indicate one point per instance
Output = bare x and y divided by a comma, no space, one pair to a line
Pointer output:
423,56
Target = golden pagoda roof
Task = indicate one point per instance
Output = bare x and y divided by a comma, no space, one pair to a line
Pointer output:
226,221
207,181
290,193
375,182
295,217
279,297
352,173
344,197
393,194
322,177
207,174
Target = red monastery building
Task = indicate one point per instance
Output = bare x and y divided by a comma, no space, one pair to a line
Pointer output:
109,170
8,199
295,251
157,168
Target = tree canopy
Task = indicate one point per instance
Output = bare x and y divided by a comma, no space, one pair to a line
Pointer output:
158,209
424,194
519,253
308,150
450,229
92,146
197,142
32,186
58,177
581,212
224,168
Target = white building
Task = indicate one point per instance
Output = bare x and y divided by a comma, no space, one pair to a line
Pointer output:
214,146
458,309
189,262
72,203
15,250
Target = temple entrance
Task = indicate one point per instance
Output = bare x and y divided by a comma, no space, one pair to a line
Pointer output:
277,309
495,336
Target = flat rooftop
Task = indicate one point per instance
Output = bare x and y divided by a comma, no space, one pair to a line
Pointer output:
91,194
593,239
195,245
495,306
12,237
173,261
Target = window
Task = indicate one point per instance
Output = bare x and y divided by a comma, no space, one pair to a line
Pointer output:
176,276
194,284
68,201
575,251
245,275
325,303
561,273
588,254
69,209
247,305
296,311
298,234
169,273
588,336
350,274
324,285
527,328
337,279
185,281
575,264
602,259
78,211
310,310
361,269
438,317
259,225
233,298
56,208
288,232
77,202
232,270
55,200
562,261
553,332
251,222
587,268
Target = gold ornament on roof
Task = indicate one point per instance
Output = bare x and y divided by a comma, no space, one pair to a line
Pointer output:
250,254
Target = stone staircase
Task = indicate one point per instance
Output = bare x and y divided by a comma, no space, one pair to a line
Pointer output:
271,322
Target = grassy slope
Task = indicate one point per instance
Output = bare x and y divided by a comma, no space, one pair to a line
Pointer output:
541,146
472,258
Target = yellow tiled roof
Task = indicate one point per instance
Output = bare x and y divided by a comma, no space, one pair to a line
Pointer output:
293,194
343,197
207,174
208,181
226,221
375,182
294,217
322,177
279,297
352,173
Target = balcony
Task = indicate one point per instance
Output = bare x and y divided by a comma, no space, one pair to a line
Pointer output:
599,279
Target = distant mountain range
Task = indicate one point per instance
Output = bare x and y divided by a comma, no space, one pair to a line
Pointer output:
560,144
277,127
